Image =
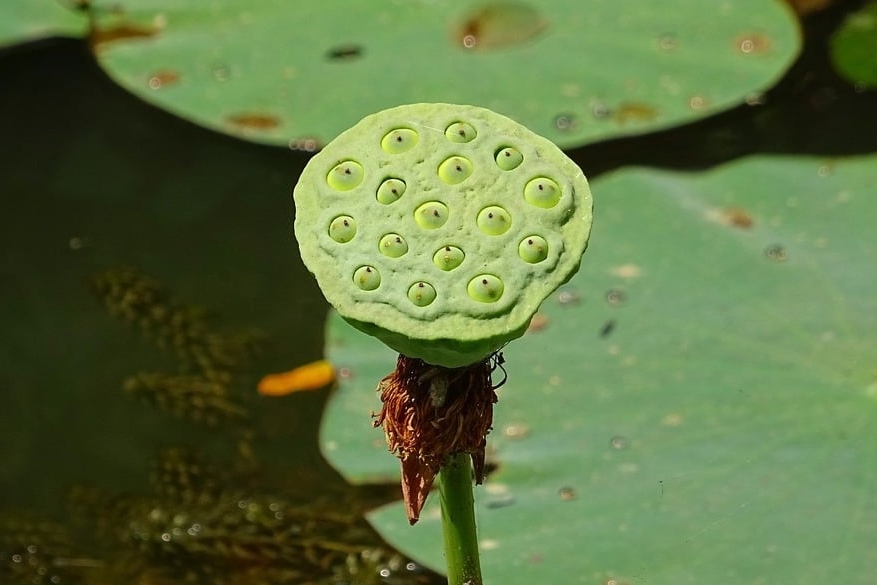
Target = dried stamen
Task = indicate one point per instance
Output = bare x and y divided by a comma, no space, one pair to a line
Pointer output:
429,413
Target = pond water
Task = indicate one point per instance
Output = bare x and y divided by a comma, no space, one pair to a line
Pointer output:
150,280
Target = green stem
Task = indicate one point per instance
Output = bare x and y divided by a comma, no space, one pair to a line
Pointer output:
458,521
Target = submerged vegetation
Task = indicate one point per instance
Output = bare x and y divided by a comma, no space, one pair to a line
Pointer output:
200,521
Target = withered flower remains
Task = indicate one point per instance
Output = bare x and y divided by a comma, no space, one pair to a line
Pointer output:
431,412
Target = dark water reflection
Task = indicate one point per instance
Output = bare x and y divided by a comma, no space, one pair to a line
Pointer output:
96,483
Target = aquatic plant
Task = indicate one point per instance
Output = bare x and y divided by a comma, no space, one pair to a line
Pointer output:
440,229
202,520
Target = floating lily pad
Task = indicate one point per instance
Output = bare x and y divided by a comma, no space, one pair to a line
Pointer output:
854,46
27,21
696,406
300,73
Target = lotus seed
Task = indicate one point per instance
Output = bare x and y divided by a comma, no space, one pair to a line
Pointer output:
485,288
448,257
399,140
460,132
390,191
431,215
509,158
393,246
542,192
342,229
345,175
455,169
421,293
367,278
533,249
494,220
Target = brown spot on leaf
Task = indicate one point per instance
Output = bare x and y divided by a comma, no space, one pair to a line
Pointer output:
567,493
732,216
164,78
538,323
698,102
752,43
626,271
498,25
100,36
737,217
253,121
633,112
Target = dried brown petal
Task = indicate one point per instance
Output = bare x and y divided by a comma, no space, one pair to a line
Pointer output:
429,413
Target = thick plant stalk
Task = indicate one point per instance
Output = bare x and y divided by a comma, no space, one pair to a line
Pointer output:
458,521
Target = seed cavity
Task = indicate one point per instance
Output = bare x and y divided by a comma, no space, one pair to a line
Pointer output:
345,176
485,288
542,192
494,220
448,257
399,140
533,249
455,169
393,246
460,132
508,158
367,278
390,191
421,293
431,215
342,229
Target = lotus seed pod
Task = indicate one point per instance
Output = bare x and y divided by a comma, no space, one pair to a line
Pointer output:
490,219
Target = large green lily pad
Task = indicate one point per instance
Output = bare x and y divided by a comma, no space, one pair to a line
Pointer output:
26,20
301,72
700,406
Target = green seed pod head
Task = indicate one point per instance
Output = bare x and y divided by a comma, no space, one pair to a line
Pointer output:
459,223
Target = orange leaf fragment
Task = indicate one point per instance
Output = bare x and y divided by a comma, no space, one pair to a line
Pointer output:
312,376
